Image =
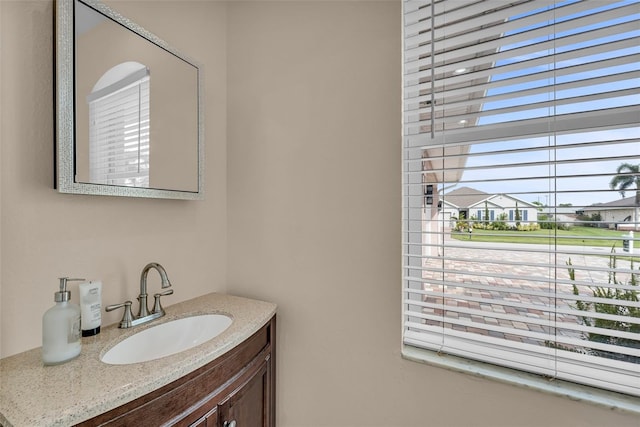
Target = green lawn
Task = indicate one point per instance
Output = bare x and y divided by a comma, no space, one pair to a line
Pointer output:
579,236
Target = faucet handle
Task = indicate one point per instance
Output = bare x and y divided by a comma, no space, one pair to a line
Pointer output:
157,307
127,317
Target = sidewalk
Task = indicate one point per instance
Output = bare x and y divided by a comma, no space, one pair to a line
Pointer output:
500,278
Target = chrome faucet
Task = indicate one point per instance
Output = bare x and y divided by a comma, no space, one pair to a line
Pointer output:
144,316
142,298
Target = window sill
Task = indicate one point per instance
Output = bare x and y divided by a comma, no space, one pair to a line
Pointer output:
608,399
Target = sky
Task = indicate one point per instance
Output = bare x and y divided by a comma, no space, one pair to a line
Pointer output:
599,162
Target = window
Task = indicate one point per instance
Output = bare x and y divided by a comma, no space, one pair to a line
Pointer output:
119,127
524,215
535,103
482,215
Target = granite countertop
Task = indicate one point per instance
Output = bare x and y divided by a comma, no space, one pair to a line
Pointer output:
32,394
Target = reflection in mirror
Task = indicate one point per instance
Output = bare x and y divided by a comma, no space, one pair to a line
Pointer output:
119,123
134,127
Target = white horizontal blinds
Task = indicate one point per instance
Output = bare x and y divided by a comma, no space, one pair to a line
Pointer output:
517,118
119,135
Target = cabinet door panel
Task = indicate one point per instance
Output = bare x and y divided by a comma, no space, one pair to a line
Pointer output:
248,405
209,420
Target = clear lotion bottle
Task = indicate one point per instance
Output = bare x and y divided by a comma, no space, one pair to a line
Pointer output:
61,328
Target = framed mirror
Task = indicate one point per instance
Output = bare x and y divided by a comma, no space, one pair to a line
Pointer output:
129,113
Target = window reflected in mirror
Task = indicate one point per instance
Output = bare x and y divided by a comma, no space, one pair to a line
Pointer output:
119,126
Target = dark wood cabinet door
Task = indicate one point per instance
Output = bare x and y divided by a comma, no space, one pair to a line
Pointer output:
249,405
209,420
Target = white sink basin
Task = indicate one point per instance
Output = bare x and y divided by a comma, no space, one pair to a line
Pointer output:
167,339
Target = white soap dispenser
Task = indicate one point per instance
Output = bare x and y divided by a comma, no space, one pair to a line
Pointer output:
61,328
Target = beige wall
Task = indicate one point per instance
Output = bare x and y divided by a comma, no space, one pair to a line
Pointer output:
315,223
309,217
46,235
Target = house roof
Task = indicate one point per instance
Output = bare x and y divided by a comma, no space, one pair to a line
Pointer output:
464,197
467,197
627,202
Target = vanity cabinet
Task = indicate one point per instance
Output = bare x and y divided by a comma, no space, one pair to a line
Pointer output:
244,406
235,390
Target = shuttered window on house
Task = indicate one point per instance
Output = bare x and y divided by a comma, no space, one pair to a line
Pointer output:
521,187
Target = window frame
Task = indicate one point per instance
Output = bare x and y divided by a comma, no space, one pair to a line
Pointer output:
481,368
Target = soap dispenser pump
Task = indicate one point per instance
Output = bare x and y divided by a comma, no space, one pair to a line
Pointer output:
61,328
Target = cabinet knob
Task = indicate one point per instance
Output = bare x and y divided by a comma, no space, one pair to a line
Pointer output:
231,423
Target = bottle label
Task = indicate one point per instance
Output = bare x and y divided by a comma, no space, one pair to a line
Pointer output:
95,312
74,330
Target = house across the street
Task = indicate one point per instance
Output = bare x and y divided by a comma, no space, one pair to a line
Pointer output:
468,203
618,214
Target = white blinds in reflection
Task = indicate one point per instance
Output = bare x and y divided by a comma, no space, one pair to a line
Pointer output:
119,136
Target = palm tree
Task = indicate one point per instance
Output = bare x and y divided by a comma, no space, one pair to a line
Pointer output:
627,176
